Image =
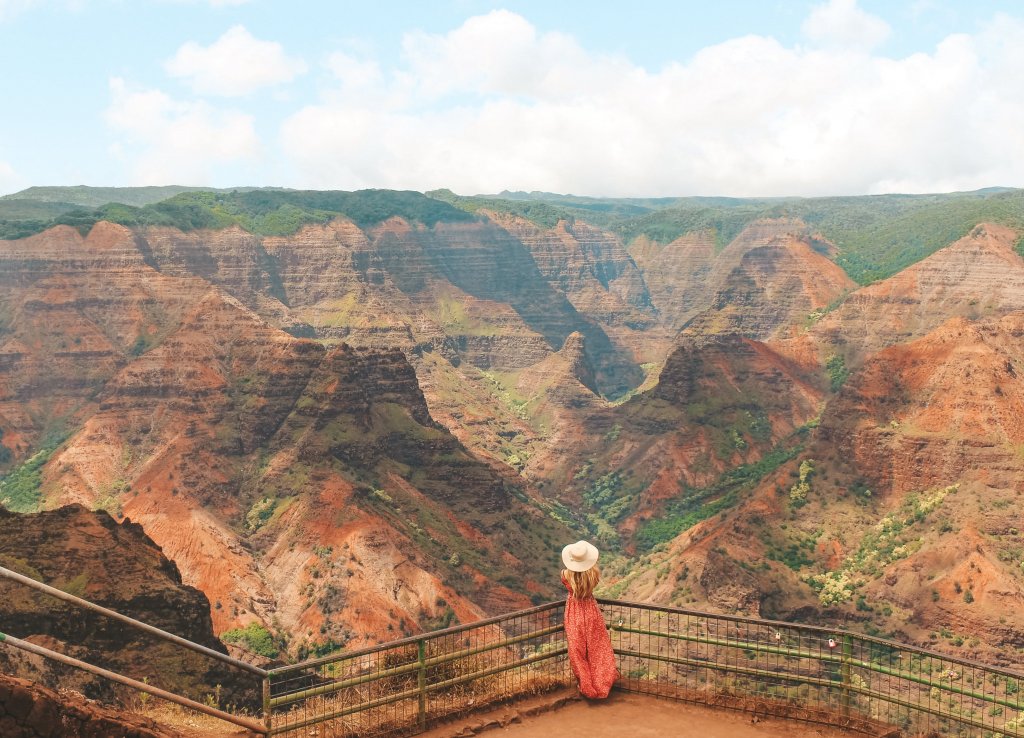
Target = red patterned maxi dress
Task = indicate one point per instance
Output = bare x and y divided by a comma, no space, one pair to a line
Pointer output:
590,647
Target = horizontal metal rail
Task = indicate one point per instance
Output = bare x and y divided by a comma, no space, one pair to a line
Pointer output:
411,667
163,634
415,692
745,670
835,633
743,645
947,715
756,646
133,683
817,681
843,660
412,640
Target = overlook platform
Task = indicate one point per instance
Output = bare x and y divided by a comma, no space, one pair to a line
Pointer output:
623,713
682,672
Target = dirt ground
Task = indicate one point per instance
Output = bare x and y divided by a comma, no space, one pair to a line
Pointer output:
192,724
638,716
564,713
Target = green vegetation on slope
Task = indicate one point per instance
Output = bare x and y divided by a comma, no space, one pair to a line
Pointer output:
254,637
20,489
637,204
611,498
838,373
21,218
671,223
541,213
263,212
37,208
696,505
876,235
896,536
92,197
879,235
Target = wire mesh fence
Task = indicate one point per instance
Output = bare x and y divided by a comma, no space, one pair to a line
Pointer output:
402,687
788,670
810,673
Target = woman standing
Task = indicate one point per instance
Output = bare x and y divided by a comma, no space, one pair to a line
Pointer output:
590,648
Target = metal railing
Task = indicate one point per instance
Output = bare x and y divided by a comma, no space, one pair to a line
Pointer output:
153,670
810,673
401,687
784,669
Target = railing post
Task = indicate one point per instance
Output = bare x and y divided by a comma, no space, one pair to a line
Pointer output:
421,681
846,674
266,704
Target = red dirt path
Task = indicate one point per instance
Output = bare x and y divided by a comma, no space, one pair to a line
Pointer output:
636,716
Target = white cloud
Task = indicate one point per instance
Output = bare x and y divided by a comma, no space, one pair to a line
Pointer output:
497,53
841,23
167,141
236,64
10,8
496,104
354,73
9,179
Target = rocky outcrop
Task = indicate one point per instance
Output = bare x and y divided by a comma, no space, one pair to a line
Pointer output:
504,351
976,277
230,432
28,710
330,431
230,257
774,287
900,514
943,408
717,404
589,266
194,415
365,409
118,566
732,366
684,276
460,289
75,311
676,273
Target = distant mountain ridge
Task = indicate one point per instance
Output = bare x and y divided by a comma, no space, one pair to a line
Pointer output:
876,235
93,197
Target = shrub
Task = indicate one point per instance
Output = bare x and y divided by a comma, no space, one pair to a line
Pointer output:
835,365
253,637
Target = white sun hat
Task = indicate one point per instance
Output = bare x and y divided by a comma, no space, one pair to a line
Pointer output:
579,556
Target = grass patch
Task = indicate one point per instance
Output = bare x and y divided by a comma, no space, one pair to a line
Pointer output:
697,505
21,488
796,555
609,499
894,537
835,365
254,637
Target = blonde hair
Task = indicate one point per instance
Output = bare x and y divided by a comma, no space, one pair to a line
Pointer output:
582,583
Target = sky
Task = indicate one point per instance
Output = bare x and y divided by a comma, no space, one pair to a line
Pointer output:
673,98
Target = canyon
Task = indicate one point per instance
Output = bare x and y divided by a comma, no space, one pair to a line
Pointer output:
392,413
